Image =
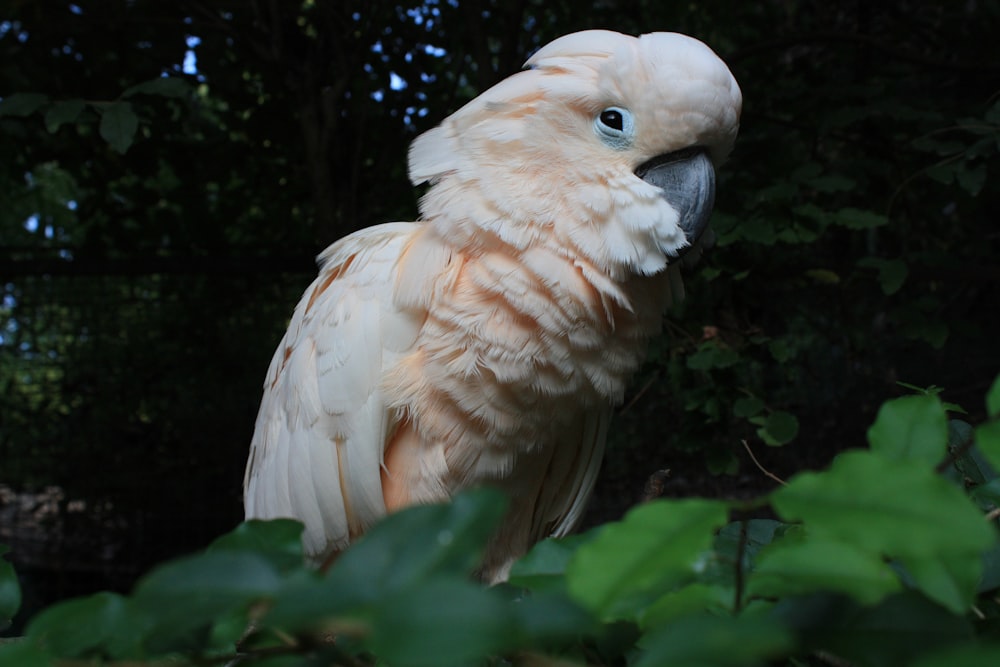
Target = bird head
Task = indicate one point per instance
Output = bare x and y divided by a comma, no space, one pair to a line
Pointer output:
606,147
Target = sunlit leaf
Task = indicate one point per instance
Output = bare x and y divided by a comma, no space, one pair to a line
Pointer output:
993,398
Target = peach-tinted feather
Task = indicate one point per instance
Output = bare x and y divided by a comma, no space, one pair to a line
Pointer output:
488,342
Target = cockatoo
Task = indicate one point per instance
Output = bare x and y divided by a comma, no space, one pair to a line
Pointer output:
486,343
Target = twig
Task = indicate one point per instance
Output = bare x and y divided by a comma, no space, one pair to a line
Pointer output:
993,514
638,395
767,473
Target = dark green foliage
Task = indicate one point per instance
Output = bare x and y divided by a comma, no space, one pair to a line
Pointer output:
878,560
157,226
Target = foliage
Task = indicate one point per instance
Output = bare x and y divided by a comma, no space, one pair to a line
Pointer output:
885,558
171,169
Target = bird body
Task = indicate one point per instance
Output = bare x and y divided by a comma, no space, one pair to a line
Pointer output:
488,342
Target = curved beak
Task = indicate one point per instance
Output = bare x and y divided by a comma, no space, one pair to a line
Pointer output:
687,179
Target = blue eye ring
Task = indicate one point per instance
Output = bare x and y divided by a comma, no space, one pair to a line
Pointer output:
615,126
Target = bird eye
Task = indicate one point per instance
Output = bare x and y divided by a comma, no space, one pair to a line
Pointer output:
613,119
615,127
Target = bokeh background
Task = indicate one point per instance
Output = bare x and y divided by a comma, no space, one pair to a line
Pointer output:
168,171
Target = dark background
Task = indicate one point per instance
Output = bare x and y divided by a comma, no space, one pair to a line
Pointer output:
143,291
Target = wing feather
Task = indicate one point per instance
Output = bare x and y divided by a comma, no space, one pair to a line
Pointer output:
317,450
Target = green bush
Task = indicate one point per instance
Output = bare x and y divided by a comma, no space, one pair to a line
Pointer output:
885,558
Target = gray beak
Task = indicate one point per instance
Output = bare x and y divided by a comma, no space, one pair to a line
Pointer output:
687,179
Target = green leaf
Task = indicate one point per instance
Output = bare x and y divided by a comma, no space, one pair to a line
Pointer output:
401,551
441,623
854,218
988,442
278,540
747,406
191,593
701,640
655,547
894,632
780,428
63,112
911,427
892,273
23,653
22,104
689,600
802,564
418,542
993,398
548,616
81,627
10,591
119,125
966,655
896,507
544,566
712,354
164,86
950,581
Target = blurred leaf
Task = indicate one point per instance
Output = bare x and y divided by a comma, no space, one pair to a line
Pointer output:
23,653
10,591
895,507
803,564
967,655
950,581
278,540
780,428
656,546
747,406
892,273
988,442
164,86
442,622
993,398
544,566
422,541
911,427
697,641
60,113
22,104
83,627
119,125
190,593
854,218
687,601
894,632
712,354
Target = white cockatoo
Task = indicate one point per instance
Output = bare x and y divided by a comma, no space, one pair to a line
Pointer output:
486,343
